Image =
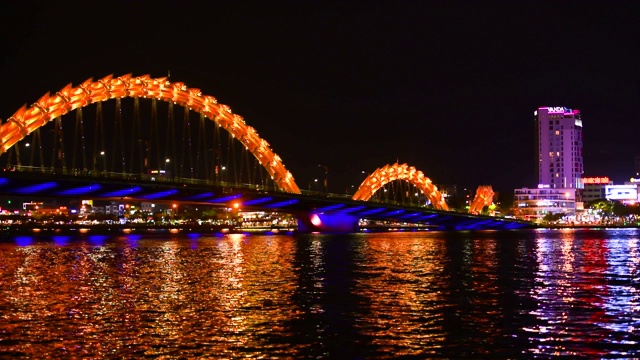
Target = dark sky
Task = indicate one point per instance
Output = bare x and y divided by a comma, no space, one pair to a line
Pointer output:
446,86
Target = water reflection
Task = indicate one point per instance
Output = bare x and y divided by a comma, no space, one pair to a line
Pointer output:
386,295
580,275
401,278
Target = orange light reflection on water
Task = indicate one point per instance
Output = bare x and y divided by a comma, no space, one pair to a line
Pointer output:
400,286
86,300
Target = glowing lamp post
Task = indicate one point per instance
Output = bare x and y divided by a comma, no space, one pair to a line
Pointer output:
104,161
310,182
326,177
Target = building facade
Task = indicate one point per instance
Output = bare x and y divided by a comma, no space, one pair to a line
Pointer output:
534,204
559,147
559,166
594,188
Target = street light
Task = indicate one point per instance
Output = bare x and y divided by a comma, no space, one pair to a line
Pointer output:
174,211
26,149
103,161
326,177
314,181
352,190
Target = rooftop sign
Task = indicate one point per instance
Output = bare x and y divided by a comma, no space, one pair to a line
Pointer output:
596,180
558,109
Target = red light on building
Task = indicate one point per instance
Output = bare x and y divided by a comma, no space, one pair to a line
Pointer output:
596,180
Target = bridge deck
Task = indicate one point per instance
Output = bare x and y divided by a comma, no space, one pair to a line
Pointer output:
250,198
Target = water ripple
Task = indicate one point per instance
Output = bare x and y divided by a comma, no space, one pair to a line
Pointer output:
531,294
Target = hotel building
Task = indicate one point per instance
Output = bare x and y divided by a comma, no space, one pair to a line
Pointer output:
559,165
559,147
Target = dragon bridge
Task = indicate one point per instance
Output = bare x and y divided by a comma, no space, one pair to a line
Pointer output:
389,173
51,106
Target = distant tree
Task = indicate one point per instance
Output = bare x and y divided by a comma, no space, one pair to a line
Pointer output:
634,209
209,214
101,217
550,218
619,209
600,204
158,216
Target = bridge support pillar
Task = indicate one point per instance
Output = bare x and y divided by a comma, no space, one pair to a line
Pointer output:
327,223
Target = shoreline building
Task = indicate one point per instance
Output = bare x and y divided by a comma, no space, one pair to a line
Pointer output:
559,147
559,165
595,188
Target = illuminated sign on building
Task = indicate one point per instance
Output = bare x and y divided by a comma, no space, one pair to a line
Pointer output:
621,192
596,180
558,109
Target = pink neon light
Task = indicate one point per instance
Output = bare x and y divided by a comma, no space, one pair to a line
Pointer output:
315,220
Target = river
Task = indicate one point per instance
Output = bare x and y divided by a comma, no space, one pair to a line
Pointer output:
424,295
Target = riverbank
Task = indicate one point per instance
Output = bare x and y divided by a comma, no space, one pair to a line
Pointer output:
111,229
590,226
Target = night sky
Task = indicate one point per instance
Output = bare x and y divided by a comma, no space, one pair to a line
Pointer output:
449,87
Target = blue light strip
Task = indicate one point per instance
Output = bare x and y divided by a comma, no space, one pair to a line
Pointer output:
355,208
226,198
23,240
161,194
61,240
80,190
394,212
4,181
201,196
36,188
410,215
373,211
283,203
123,192
329,208
258,201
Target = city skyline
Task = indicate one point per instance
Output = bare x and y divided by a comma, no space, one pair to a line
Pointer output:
354,86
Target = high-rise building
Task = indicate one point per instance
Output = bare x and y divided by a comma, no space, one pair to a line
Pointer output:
558,166
559,147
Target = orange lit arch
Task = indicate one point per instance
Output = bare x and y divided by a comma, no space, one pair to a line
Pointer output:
389,173
49,107
484,197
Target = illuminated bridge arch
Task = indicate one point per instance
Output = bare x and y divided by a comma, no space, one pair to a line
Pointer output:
389,173
484,197
49,107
